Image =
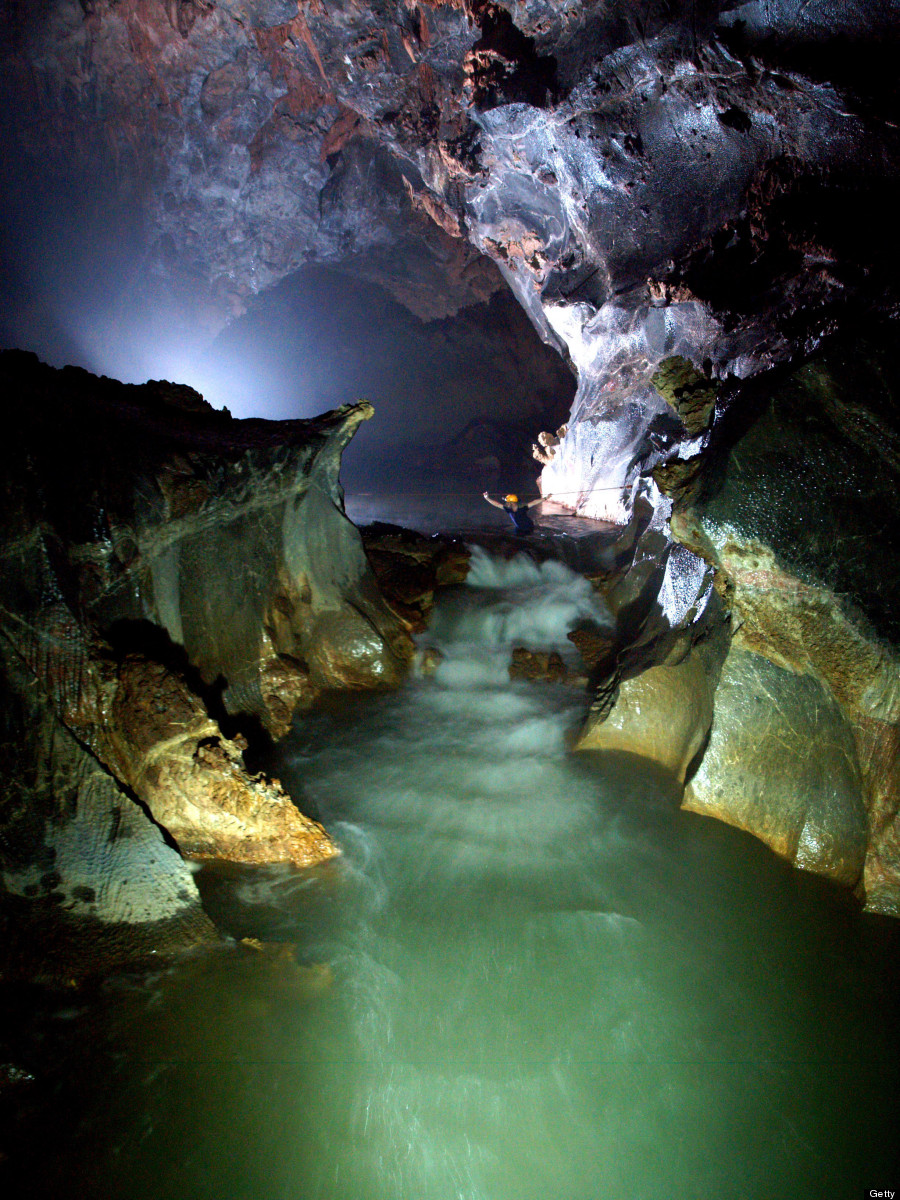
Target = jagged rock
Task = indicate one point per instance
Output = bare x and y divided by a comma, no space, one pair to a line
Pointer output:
713,182
82,864
229,538
287,689
165,570
410,568
144,724
611,163
782,764
597,647
427,661
534,665
691,394
546,447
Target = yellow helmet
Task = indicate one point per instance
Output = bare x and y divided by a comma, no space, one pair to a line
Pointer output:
511,499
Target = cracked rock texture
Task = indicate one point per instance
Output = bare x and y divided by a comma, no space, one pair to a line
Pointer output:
169,576
82,865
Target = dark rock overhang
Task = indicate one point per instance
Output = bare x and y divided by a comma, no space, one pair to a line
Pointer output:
742,154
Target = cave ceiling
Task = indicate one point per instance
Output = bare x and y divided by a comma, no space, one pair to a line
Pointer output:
609,158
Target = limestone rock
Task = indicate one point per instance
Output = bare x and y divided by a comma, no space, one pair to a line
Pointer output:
787,522
230,538
165,568
813,479
689,393
596,646
663,714
782,764
83,865
215,810
427,661
534,665
345,651
410,568
287,689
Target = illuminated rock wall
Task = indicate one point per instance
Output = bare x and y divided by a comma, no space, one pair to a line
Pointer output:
172,581
801,519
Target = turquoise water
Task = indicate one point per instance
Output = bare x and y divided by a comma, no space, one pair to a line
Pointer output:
529,976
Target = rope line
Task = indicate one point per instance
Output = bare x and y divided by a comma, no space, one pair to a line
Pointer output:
479,495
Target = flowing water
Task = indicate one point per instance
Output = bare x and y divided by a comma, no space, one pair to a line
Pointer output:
528,977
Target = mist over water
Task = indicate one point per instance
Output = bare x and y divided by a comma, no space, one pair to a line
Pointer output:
529,976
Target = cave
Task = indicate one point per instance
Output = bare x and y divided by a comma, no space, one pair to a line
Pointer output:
449,649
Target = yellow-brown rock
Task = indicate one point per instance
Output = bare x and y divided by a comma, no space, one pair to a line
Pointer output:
801,637
537,665
410,567
156,736
663,714
782,764
215,810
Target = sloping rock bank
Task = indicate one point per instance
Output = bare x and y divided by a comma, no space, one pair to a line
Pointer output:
173,583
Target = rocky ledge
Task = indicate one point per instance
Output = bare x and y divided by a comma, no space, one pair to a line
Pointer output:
175,585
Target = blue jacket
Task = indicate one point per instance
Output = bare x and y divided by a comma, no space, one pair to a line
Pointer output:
519,516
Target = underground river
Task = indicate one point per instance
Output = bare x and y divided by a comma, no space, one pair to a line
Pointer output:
528,977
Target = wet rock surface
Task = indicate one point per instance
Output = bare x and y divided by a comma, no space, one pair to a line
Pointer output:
663,713
544,666
410,568
682,198
782,764
77,846
800,519
169,577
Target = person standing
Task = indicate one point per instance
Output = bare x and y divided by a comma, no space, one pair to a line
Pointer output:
518,512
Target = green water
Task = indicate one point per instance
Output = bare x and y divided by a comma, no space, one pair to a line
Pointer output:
529,977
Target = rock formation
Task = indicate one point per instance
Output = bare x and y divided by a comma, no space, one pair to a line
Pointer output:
173,582
801,519
410,567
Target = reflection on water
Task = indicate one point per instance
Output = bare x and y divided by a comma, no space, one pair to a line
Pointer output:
528,977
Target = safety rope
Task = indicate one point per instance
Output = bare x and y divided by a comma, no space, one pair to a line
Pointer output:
477,495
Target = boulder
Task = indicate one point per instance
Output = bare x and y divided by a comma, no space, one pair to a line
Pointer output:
345,651
411,567
664,713
782,764
787,519
534,666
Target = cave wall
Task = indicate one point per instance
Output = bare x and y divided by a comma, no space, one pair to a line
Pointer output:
799,513
708,180
606,160
174,583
